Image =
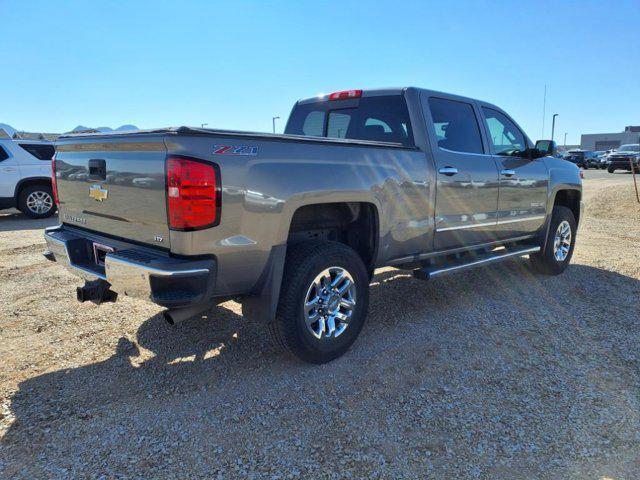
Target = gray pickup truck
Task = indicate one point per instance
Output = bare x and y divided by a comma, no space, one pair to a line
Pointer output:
293,225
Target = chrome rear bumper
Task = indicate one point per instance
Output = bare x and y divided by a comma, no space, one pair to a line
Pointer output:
133,270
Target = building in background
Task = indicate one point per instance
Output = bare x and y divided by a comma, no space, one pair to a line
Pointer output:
607,141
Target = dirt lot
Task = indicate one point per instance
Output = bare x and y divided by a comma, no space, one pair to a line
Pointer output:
494,373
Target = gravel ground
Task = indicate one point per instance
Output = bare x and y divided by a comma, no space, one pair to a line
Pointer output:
492,373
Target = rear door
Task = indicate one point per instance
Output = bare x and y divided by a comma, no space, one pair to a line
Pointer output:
523,181
467,175
9,172
114,185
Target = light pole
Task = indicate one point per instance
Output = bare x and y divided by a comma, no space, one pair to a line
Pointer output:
553,125
565,140
273,122
202,125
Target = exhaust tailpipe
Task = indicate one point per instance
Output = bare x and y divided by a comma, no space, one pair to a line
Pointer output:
96,291
173,316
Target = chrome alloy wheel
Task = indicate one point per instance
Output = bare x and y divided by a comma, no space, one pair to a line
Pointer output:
330,303
562,241
39,202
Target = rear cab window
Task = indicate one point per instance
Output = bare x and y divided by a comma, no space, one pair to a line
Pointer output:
376,118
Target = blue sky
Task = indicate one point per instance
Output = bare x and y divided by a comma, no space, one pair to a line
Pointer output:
237,64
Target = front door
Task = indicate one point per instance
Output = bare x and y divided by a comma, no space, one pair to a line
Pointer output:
467,175
524,181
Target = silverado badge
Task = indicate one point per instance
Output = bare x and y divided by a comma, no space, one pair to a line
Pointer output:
97,192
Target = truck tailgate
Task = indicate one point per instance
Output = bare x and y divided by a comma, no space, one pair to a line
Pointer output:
114,185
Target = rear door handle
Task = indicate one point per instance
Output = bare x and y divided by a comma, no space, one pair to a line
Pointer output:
508,173
448,171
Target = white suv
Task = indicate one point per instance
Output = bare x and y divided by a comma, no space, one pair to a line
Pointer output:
25,176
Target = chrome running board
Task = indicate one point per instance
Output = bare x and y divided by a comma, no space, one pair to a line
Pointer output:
458,265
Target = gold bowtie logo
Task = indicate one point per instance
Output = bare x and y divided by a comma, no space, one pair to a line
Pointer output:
98,193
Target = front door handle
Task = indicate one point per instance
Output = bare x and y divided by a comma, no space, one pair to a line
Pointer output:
448,171
508,173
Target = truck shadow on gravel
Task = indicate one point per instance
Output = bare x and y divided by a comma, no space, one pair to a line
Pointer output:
231,358
15,220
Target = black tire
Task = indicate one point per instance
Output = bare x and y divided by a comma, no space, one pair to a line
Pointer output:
304,263
545,262
42,191
611,170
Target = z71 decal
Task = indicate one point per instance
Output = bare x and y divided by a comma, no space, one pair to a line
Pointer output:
235,150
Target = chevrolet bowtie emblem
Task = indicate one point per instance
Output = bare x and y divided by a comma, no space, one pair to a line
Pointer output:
97,192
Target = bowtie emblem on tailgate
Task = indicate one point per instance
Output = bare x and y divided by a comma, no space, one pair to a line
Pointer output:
98,193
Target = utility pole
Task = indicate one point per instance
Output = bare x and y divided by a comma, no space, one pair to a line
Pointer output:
565,140
553,125
202,125
544,109
273,122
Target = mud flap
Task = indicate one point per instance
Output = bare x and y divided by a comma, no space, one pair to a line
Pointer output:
261,307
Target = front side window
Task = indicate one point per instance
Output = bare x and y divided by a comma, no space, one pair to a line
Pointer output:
338,124
41,151
455,125
3,154
506,138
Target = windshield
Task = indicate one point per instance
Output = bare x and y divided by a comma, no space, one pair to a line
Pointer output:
632,147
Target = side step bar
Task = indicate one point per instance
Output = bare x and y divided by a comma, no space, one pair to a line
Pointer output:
427,273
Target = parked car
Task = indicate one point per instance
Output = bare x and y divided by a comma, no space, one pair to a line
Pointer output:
25,177
293,225
582,158
600,159
624,157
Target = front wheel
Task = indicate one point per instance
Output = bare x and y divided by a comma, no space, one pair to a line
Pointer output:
561,240
611,170
323,301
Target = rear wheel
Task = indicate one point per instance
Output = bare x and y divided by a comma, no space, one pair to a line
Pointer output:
36,201
323,301
561,239
611,169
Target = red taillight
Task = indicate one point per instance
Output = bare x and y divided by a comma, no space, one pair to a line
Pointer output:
345,94
54,182
193,195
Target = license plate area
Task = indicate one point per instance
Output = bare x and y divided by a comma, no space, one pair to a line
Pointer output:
100,252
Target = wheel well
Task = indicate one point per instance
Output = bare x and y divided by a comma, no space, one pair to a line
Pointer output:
28,182
352,223
571,200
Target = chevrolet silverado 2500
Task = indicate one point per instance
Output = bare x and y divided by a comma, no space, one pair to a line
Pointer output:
293,225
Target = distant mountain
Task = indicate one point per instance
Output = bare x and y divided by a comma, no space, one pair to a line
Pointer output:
123,128
8,128
126,128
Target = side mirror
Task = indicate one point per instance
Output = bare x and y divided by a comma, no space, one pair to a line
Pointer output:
546,148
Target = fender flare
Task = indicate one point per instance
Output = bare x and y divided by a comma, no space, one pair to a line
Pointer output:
29,180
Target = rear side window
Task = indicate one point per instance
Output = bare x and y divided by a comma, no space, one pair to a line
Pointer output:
39,150
3,154
455,125
313,124
380,119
